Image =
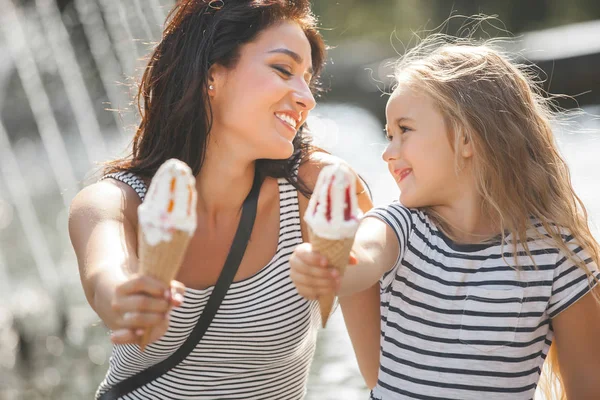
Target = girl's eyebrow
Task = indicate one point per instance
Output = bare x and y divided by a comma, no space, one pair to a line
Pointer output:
403,119
294,56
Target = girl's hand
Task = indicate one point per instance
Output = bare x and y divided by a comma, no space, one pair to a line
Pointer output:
310,274
141,303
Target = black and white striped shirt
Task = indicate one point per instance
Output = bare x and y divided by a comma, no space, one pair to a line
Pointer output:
457,322
259,345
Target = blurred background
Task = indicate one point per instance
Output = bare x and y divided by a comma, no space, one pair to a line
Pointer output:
67,65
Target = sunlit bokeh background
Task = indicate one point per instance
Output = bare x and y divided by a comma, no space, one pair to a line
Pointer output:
67,65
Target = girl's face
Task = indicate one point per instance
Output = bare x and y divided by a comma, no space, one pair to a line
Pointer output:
420,156
259,104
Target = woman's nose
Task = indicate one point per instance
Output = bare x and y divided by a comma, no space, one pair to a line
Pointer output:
304,97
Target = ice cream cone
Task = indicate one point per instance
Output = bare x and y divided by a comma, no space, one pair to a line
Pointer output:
167,222
337,253
332,216
161,261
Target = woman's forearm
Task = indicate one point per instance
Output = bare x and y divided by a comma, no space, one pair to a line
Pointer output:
100,285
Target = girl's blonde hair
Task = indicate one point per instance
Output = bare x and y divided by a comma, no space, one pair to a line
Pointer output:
497,105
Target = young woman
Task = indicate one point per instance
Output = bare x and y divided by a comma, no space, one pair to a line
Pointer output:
227,90
487,261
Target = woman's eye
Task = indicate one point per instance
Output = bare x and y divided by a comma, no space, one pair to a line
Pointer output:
283,71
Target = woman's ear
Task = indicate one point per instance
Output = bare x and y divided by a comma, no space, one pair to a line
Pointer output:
217,75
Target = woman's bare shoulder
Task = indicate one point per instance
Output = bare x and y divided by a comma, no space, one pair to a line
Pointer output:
107,199
310,169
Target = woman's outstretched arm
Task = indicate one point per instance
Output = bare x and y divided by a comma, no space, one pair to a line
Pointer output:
103,233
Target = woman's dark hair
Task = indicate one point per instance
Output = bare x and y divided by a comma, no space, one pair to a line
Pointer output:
172,96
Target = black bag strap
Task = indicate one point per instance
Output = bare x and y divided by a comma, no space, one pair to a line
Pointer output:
232,263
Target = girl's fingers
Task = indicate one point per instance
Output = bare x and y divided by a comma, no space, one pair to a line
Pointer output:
298,266
305,254
352,260
325,283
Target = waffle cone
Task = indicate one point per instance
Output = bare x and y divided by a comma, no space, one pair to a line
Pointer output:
161,261
337,253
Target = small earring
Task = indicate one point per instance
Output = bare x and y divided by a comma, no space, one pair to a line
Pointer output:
211,87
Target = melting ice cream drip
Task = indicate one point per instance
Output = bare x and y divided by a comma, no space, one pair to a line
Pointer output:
333,208
171,203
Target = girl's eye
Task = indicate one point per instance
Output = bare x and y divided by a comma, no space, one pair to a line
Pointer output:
404,129
388,137
283,71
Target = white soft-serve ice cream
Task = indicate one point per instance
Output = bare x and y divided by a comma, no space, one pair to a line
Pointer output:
170,205
167,221
333,217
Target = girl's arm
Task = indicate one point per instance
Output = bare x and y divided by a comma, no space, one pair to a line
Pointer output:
361,310
362,315
375,251
104,238
360,305
577,330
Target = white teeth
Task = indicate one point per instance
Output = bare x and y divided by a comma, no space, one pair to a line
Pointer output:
287,119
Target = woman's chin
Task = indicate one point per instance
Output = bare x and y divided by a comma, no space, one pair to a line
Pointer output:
281,152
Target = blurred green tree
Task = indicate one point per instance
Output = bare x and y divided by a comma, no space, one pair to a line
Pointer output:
377,19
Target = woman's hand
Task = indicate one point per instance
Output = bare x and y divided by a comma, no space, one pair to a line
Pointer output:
142,303
311,275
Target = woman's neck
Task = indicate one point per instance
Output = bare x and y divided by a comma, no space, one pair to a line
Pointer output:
223,184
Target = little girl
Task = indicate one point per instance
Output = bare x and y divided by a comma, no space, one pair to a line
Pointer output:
487,261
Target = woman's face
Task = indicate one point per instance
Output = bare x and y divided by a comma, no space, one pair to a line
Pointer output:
259,104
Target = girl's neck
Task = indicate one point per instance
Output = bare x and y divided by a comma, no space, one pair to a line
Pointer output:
467,221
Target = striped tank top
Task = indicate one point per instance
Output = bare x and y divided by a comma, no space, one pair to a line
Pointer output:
458,322
259,345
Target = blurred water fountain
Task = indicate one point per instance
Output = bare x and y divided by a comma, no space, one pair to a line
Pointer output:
139,12
158,12
108,66
21,198
121,35
72,78
10,23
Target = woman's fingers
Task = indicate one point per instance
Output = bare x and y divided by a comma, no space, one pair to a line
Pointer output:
124,336
177,293
138,320
158,330
144,284
134,336
140,302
